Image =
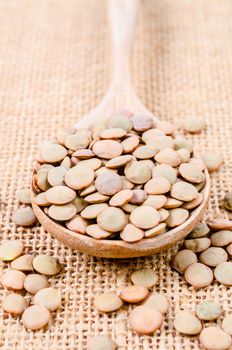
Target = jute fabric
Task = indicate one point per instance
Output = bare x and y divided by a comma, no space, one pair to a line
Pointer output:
54,67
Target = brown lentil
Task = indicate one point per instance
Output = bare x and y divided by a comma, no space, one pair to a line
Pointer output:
214,338
134,294
107,302
145,320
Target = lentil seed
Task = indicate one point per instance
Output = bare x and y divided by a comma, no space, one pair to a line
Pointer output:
145,320
14,304
144,277
107,302
36,317
214,338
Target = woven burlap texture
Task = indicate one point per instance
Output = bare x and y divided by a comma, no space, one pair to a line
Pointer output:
54,67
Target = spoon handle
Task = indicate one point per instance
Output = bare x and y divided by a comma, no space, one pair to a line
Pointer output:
120,94
122,21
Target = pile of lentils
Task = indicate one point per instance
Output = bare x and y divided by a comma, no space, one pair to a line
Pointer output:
205,257
207,253
28,274
129,180
148,317
212,241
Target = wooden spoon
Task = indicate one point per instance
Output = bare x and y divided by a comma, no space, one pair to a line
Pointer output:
122,19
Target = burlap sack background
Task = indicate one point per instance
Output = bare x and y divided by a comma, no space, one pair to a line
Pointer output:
54,66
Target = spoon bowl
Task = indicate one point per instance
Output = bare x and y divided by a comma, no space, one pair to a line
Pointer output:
117,248
122,19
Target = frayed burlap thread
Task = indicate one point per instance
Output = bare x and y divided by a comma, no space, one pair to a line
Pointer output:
54,67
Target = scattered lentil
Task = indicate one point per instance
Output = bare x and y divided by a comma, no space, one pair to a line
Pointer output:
212,161
194,124
34,282
23,263
197,245
162,142
35,317
134,294
157,301
145,320
13,279
14,303
227,324
223,273
228,201
183,259
77,141
144,277
198,275
24,216
167,127
46,265
214,338
10,250
220,224
199,231
145,152
208,310
130,144
213,256
24,196
101,342
93,163
48,297
187,323
107,302
83,154
221,238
